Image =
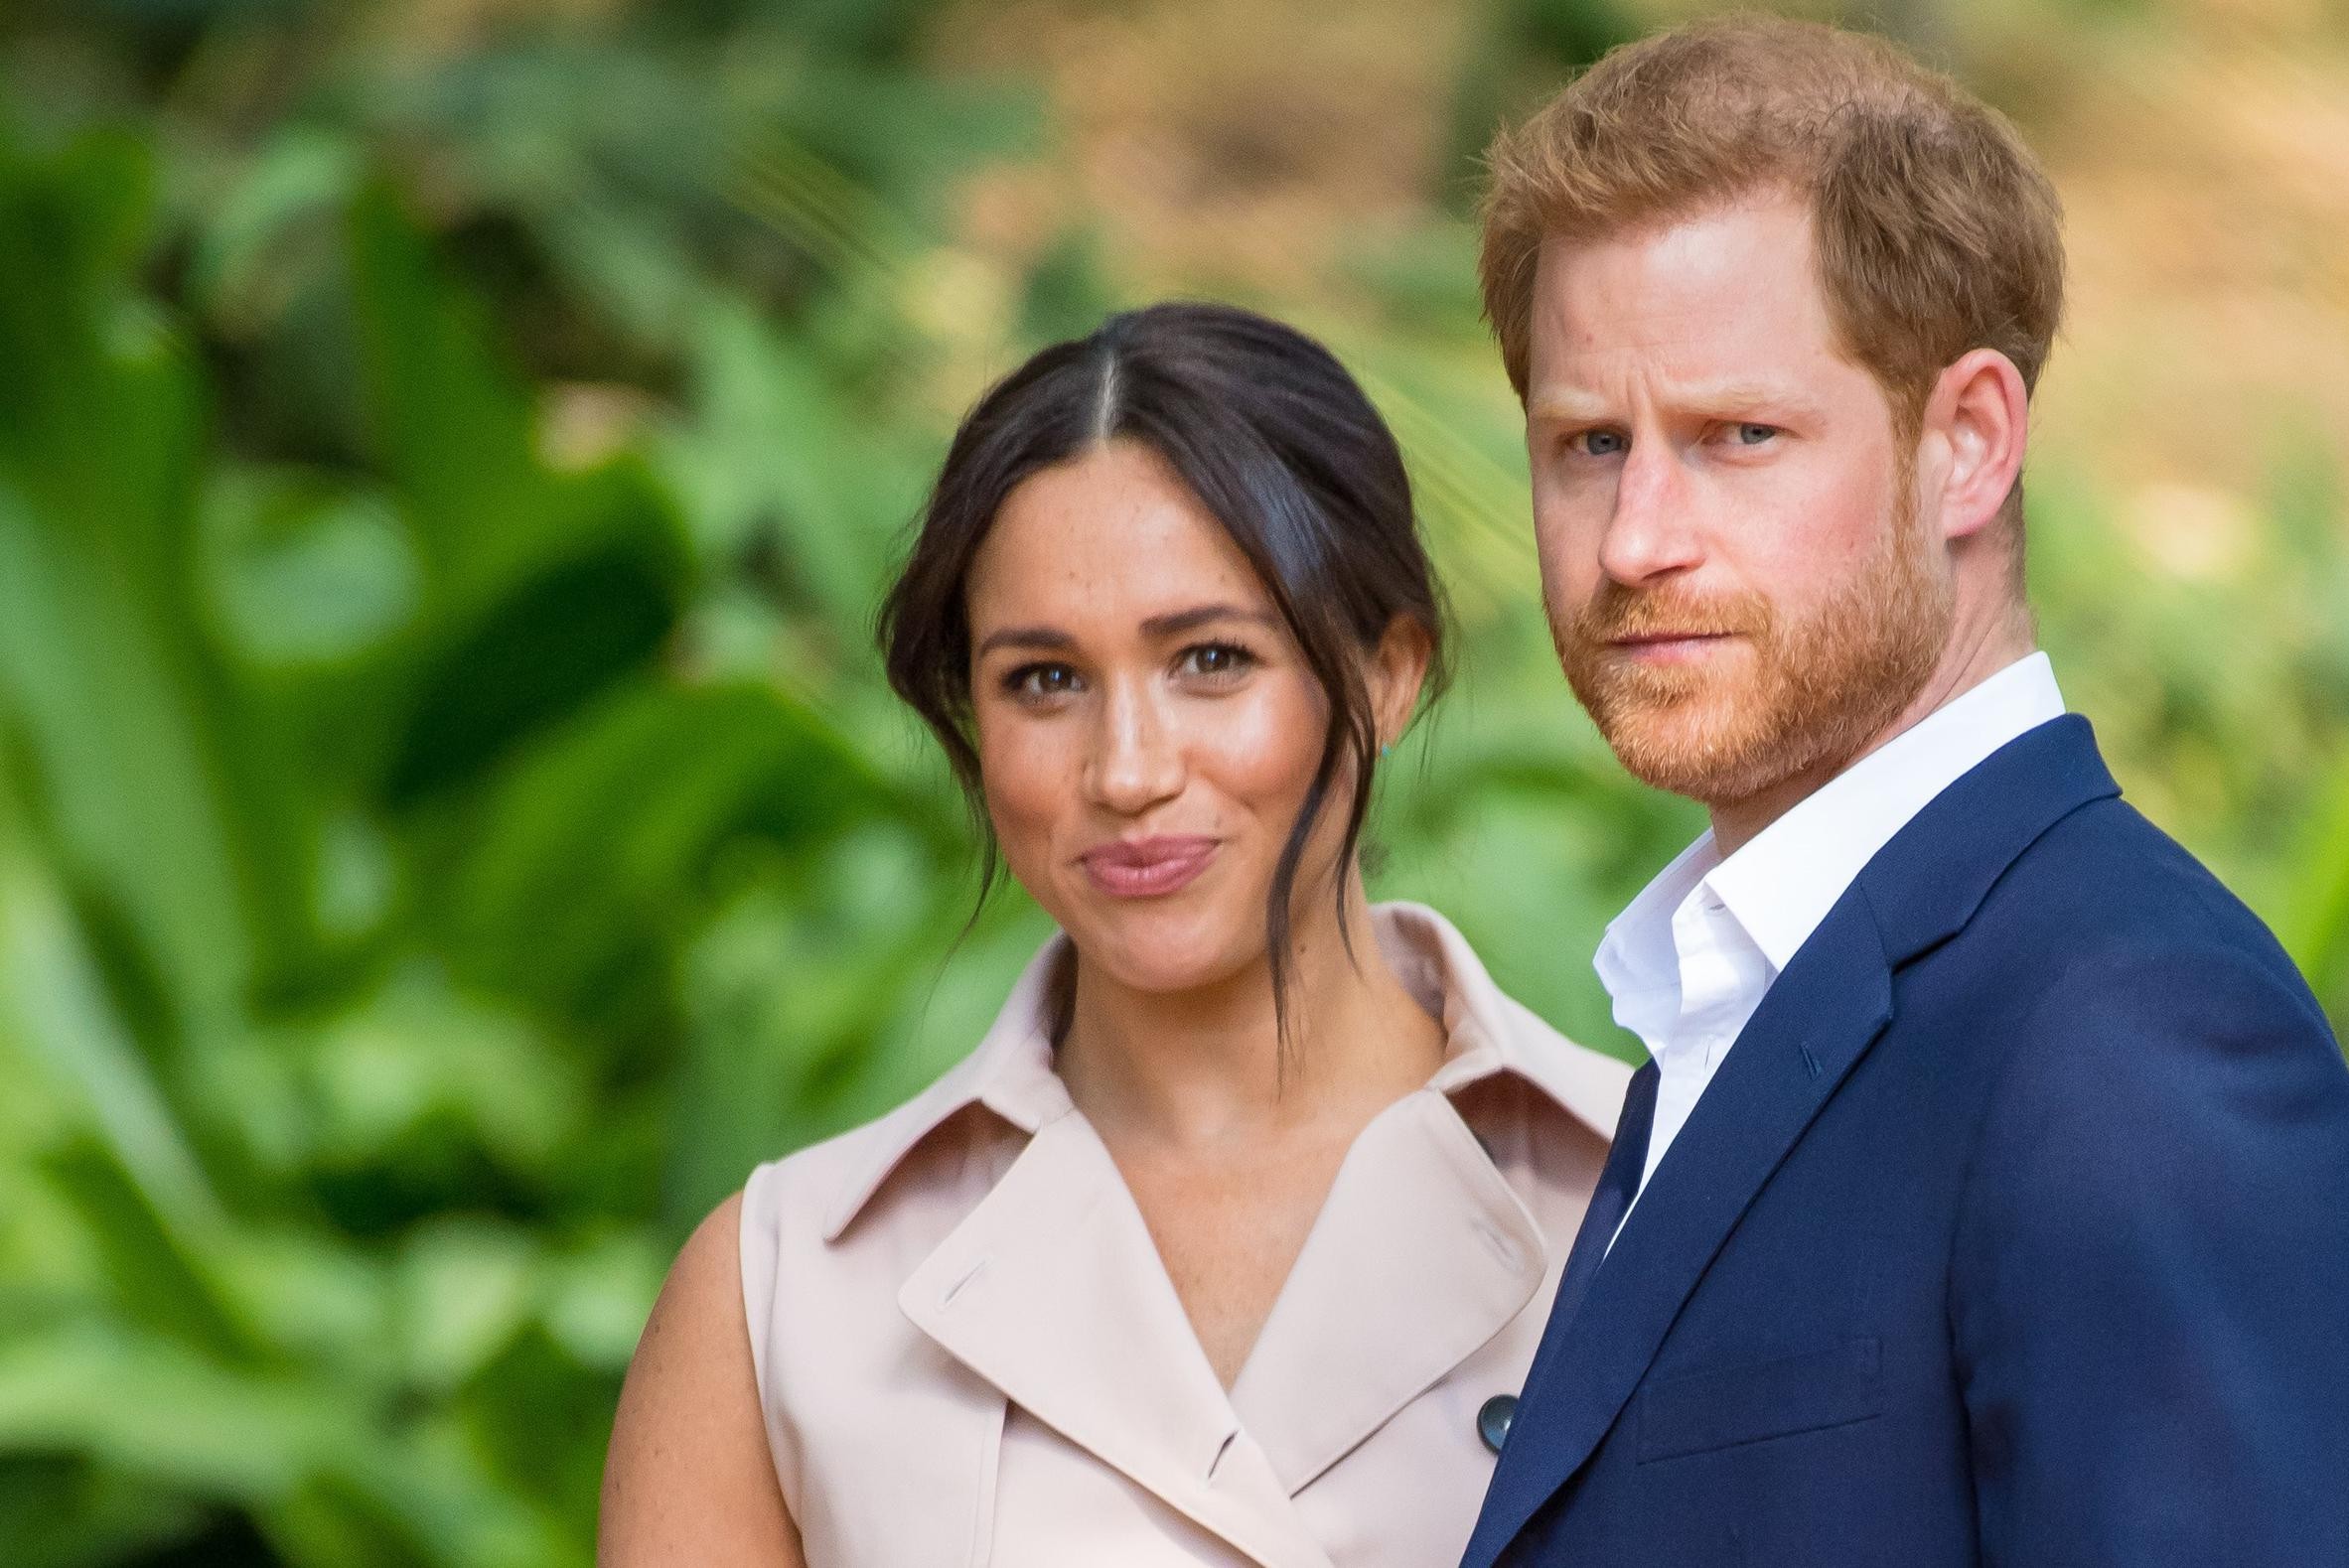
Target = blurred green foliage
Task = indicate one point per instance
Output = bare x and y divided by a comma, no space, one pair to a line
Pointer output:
452,824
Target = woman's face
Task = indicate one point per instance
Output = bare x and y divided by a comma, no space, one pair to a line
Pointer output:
1147,728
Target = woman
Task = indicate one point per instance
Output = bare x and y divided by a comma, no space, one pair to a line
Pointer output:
1231,1240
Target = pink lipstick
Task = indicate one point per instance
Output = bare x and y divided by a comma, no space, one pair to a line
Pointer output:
1147,868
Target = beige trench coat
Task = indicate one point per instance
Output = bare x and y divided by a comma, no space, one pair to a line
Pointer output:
969,1351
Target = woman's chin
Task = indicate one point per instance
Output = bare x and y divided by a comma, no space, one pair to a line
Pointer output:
1162,953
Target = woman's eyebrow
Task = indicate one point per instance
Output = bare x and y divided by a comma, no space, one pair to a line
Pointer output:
1043,637
1176,622
1173,624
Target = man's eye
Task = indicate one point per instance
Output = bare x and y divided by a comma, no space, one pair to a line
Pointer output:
1598,443
1041,680
1753,435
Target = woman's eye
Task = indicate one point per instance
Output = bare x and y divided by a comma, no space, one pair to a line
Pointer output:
1215,658
1041,680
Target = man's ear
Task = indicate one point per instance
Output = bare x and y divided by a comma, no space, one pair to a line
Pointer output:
1978,415
1398,669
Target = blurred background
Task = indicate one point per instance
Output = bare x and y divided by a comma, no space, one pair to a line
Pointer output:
451,821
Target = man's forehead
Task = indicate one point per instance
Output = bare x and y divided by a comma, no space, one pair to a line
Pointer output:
1710,261
1727,298
1735,228
1735,359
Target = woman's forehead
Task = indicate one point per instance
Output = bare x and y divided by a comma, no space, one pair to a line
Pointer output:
1113,535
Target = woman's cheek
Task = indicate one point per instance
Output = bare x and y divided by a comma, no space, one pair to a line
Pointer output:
1028,786
1263,745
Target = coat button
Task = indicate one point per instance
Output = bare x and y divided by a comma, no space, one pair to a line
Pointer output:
1493,1418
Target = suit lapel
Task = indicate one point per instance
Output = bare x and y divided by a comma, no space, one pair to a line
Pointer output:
1618,1185
1817,1021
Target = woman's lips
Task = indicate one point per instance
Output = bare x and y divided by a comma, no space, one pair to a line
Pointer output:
1147,868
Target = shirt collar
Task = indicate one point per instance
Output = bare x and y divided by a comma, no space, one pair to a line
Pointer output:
1486,1032
1782,884
1779,886
1637,956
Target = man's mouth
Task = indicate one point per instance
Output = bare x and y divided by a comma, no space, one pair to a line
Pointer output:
1670,645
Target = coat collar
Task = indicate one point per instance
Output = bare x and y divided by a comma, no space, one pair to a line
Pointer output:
1010,1073
1924,886
1818,1020
1051,1289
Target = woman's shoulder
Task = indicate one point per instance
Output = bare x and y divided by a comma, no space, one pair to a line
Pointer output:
687,1476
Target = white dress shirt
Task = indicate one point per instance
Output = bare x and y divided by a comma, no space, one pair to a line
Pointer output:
1689,959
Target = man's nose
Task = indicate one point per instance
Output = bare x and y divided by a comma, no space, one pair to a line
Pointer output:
1137,758
1651,531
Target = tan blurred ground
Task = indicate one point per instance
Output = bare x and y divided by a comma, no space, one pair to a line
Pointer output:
2202,148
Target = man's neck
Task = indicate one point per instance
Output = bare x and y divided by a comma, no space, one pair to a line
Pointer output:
1972,656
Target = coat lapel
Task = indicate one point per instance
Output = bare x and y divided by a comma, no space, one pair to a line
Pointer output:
1419,1256
1820,1016
1052,1290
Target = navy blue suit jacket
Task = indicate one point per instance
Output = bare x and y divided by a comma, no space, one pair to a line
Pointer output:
2013,1229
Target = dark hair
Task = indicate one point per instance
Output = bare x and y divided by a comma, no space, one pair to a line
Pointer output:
1276,441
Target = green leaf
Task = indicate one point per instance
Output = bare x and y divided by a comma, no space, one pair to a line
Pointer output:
302,571
66,1511
778,456
55,1006
2316,924
542,588
144,1404
160,1275
466,1287
263,236
130,738
424,1090
589,858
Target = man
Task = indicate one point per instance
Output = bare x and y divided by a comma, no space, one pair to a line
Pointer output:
1986,1200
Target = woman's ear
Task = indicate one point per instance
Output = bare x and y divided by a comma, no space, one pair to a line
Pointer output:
1398,669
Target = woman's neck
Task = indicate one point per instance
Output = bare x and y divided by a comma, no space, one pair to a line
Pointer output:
1197,1069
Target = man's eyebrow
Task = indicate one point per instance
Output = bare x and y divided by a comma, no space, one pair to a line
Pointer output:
1564,405
1743,394
1569,405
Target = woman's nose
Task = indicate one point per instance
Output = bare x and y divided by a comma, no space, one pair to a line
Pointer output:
1137,756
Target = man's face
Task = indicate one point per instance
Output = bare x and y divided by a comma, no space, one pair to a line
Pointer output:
1739,580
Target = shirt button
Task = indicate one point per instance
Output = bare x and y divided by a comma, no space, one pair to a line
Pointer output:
1493,1418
